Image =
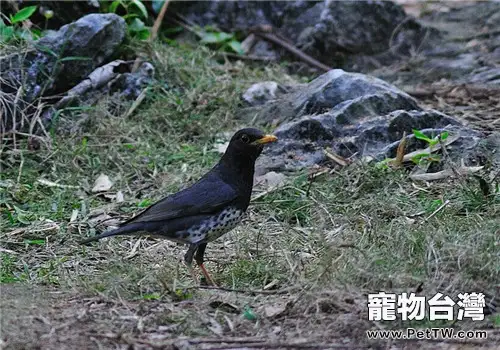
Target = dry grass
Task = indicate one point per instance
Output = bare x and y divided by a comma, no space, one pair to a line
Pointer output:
318,247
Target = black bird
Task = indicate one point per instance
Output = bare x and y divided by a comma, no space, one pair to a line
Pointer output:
210,207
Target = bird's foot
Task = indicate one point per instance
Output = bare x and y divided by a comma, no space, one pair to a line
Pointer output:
207,275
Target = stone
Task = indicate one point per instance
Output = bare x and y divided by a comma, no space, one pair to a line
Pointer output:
351,114
260,93
59,61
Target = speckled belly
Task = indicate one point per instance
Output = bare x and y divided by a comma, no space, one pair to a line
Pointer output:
211,229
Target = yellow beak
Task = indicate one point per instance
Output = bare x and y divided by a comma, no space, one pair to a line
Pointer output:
266,139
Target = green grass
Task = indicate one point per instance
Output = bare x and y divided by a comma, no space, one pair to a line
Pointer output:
360,228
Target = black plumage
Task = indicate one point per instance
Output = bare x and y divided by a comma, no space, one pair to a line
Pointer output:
210,207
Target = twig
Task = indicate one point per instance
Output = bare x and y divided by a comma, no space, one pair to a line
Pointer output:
335,157
134,249
137,102
4,250
398,162
54,184
293,50
247,57
441,207
265,193
158,21
443,174
246,291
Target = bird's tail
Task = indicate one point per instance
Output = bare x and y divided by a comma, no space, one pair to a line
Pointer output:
124,230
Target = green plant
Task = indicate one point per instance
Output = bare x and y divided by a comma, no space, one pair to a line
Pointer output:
9,273
135,15
221,40
426,158
13,29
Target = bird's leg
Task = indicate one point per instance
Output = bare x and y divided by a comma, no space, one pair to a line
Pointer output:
188,259
199,257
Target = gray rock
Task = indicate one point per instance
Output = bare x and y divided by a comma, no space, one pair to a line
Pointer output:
355,94
347,26
487,151
260,93
330,31
240,15
60,60
485,75
64,57
90,41
466,51
353,115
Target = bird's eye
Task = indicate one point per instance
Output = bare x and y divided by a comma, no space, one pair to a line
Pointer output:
245,138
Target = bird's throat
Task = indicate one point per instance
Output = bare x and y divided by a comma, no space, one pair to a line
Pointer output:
241,166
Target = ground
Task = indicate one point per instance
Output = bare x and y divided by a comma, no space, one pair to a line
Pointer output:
294,274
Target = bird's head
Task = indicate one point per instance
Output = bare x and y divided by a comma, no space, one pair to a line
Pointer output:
249,141
246,145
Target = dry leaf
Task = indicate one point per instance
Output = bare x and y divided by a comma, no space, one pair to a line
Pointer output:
119,197
103,219
274,311
74,215
215,327
102,184
446,173
271,180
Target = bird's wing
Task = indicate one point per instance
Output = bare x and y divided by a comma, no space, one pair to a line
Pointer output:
209,195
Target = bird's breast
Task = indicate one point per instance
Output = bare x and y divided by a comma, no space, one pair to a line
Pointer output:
215,226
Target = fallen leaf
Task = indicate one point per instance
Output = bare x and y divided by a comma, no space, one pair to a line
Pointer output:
103,219
119,197
74,215
215,327
271,285
274,311
102,184
271,180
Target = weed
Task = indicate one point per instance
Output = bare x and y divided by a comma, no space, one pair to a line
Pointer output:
13,30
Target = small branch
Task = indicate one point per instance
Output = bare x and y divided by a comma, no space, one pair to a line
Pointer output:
441,207
247,57
293,50
443,174
335,157
158,21
266,192
136,103
245,291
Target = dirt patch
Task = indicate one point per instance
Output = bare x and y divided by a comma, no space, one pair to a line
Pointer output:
46,318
